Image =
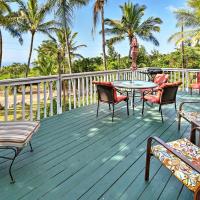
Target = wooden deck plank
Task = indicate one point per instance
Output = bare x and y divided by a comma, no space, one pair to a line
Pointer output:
80,157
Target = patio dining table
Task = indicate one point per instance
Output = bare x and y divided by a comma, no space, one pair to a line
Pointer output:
133,86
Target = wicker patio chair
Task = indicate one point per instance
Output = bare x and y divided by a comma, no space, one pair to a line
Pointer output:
181,157
159,79
15,136
107,93
195,85
166,94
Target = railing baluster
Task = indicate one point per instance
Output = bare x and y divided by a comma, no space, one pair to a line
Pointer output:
23,102
15,102
31,102
91,91
45,100
74,92
87,90
79,93
51,98
94,89
38,101
183,81
83,91
69,95
6,103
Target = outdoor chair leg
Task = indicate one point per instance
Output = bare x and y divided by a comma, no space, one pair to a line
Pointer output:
197,194
127,107
148,159
113,112
160,108
17,151
143,107
109,107
30,146
175,106
97,109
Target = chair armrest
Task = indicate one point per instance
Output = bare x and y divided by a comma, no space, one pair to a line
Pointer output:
193,134
187,102
173,151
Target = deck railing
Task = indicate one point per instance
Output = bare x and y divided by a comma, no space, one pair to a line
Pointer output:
40,97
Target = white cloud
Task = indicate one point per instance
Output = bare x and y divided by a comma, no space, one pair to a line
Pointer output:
171,8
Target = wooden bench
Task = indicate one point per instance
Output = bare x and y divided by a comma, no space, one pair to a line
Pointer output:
15,136
181,157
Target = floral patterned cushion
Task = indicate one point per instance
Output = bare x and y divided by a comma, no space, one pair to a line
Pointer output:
191,116
189,177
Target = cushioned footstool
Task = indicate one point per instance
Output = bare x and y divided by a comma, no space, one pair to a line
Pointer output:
15,136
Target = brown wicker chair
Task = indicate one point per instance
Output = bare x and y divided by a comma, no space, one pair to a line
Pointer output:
107,93
166,95
181,157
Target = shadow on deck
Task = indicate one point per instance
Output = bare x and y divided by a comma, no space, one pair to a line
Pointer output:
77,156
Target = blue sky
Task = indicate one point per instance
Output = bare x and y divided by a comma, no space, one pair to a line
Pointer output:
82,23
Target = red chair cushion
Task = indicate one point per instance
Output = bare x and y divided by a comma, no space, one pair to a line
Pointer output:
108,84
152,98
195,86
120,98
161,78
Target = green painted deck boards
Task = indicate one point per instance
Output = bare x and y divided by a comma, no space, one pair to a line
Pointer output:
79,156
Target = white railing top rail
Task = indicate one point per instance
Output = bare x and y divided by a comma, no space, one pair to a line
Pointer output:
32,80
35,80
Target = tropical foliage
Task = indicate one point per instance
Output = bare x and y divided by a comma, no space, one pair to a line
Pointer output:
59,52
32,19
7,22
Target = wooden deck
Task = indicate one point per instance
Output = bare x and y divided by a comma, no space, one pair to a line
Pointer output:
77,156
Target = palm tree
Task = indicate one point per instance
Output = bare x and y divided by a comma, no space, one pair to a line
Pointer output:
32,19
132,26
189,18
57,45
64,13
7,22
99,10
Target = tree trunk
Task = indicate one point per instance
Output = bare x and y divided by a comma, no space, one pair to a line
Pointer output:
1,48
68,53
103,39
183,48
130,48
30,53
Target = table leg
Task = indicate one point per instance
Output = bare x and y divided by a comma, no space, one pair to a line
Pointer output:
133,98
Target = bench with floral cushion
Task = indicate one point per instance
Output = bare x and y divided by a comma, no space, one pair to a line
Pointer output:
15,136
181,157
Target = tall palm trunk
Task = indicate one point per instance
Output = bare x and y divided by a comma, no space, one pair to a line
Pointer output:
103,38
30,53
183,48
69,54
1,48
130,48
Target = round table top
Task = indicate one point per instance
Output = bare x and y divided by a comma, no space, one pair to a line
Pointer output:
134,84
